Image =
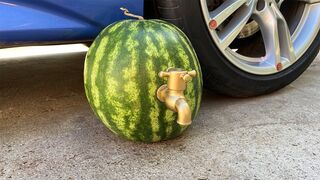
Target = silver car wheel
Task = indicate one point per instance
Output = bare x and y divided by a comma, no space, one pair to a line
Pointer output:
283,45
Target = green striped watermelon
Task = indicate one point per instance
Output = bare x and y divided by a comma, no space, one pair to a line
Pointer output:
121,78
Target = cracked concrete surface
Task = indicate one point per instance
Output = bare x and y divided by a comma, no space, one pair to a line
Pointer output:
47,131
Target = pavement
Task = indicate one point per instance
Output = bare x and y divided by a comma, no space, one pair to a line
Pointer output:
48,131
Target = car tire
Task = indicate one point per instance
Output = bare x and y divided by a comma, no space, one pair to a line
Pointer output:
220,74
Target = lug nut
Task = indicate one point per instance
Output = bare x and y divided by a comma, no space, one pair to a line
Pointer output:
279,67
213,24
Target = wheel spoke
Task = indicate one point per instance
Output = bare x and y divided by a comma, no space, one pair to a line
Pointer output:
234,27
286,45
276,35
225,10
280,3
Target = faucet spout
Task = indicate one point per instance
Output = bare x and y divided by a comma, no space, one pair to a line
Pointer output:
184,112
172,93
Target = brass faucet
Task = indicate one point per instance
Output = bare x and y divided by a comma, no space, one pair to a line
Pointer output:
172,93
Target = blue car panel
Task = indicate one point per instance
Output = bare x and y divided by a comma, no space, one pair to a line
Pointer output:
38,21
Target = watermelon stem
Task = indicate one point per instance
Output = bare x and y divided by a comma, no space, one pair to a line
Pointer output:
127,13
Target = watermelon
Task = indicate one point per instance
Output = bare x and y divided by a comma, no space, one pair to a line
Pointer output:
121,78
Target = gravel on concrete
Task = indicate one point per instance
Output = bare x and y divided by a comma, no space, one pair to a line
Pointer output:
48,131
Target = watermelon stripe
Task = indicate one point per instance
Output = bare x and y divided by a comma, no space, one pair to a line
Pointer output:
151,73
112,51
130,73
153,56
88,71
183,41
186,43
93,70
118,112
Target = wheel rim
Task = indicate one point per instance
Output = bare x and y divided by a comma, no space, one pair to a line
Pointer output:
284,43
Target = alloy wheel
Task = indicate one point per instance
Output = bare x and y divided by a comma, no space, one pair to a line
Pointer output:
285,34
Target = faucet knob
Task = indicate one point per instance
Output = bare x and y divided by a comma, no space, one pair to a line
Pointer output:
163,74
193,73
188,77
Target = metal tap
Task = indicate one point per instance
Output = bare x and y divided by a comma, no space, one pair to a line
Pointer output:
172,93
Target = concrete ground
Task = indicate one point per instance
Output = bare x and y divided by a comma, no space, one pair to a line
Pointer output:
47,131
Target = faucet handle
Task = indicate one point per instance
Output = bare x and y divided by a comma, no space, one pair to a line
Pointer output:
193,73
164,74
188,77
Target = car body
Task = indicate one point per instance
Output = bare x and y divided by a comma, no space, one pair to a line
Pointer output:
56,21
